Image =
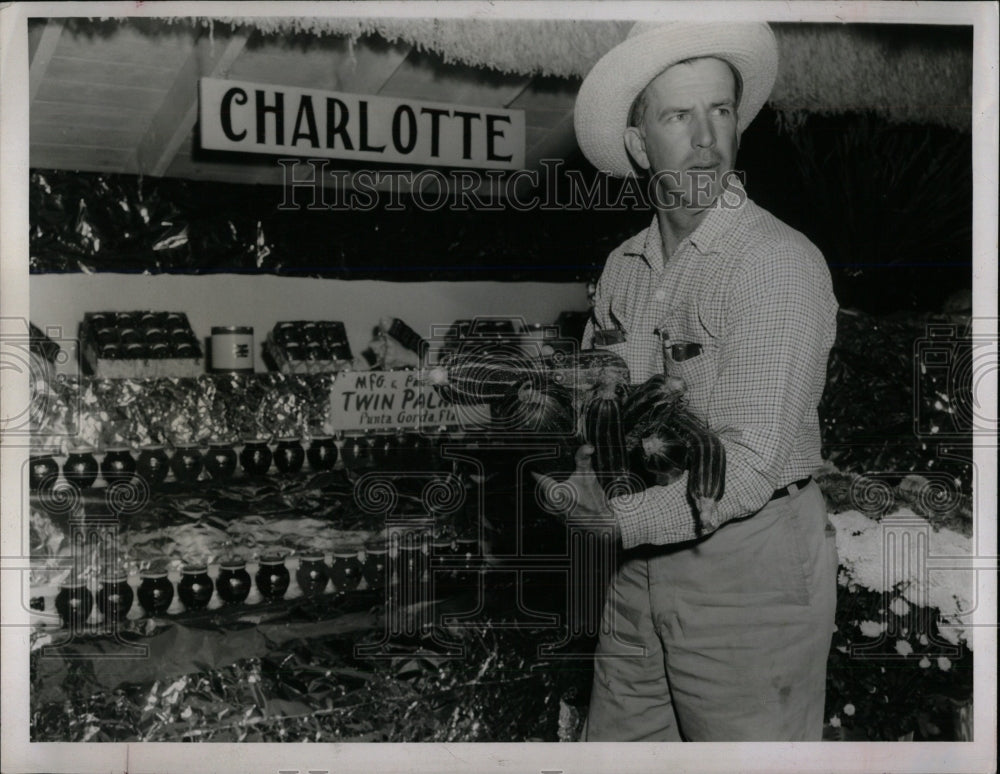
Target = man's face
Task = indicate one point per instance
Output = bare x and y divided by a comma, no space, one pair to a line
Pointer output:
687,136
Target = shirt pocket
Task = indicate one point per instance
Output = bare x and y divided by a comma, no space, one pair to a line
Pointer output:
691,358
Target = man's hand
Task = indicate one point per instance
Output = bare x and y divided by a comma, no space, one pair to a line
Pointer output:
580,497
391,353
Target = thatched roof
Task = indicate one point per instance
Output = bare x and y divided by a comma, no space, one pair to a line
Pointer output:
903,73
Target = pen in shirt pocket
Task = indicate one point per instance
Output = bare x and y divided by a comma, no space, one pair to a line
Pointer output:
677,351
684,350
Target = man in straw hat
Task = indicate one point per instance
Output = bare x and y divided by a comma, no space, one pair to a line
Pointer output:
724,636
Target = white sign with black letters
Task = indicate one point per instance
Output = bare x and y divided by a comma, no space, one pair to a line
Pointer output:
285,120
387,400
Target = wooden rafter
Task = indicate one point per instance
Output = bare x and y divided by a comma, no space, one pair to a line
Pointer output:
176,116
43,55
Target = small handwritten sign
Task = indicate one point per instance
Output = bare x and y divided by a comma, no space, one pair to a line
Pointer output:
386,400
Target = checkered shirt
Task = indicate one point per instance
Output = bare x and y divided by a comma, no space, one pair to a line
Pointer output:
757,296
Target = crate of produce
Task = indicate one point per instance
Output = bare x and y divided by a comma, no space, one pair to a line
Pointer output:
135,345
308,346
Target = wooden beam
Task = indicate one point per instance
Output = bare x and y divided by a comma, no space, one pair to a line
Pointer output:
559,141
43,55
377,78
176,116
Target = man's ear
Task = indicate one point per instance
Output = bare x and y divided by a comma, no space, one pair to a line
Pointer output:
636,147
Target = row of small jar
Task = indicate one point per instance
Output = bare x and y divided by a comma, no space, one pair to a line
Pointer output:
220,461
200,587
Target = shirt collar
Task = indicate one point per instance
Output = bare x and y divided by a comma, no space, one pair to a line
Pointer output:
718,222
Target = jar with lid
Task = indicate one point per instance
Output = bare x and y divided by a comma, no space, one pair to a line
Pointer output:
322,452
43,470
346,570
156,592
74,603
186,462
115,597
312,574
118,464
81,468
289,455
152,465
233,582
255,457
195,587
272,577
220,460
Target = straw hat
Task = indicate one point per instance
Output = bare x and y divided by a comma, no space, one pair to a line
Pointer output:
608,91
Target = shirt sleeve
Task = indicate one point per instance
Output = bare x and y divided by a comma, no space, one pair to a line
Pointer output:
587,342
772,357
601,294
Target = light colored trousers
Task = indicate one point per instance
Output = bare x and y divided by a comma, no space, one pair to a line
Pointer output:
723,640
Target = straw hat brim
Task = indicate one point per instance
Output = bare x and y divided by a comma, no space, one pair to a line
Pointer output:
608,91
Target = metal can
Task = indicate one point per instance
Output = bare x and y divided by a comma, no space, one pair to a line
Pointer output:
232,348
293,351
159,350
135,350
184,349
314,351
106,335
130,335
175,321
156,336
